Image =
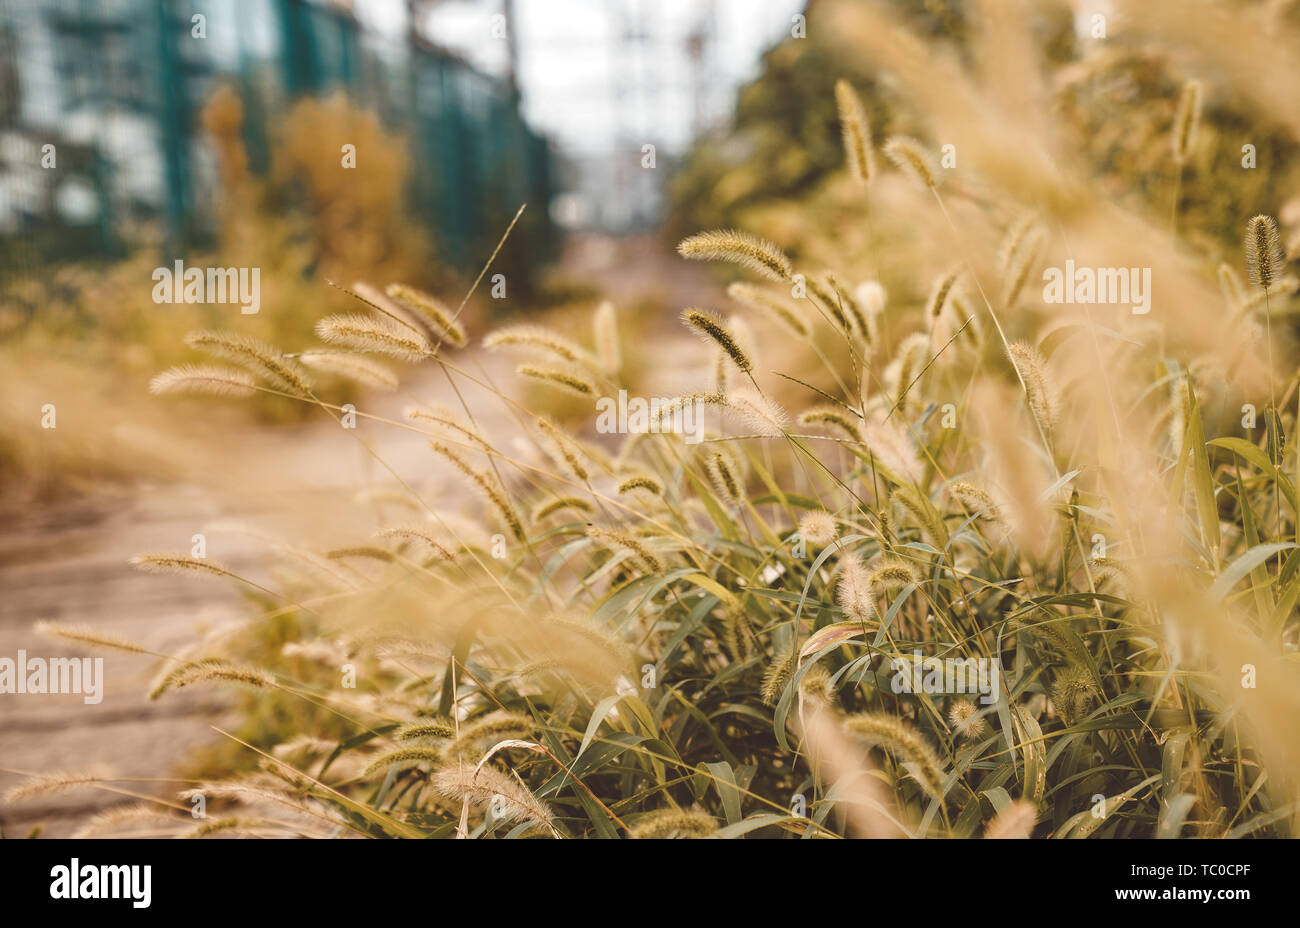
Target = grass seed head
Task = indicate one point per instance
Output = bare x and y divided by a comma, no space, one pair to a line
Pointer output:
725,475
963,718
711,329
939,294
84,634
856,131
1039,389
854,591
351,366
262,359
609,538
833,417
741,248
674,823
817,527
902,741
48,784
1264,257
775,678
370,333
571,380
487,787
493,491
212,669
640,482
170,563
761,414
551,507
435,316
540,338
210,379
912,158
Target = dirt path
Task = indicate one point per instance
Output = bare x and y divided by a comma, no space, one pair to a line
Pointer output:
72,569
68,564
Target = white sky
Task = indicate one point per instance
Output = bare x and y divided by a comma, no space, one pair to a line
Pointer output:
585,85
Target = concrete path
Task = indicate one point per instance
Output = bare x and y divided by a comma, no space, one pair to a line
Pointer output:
68,563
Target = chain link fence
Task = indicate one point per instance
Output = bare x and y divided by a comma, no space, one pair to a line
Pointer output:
109,92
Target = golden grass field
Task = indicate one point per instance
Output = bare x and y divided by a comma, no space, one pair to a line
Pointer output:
537,621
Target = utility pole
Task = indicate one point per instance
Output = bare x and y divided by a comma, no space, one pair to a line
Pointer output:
699,49
512,50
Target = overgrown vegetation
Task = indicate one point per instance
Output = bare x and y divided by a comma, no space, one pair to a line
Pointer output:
640,636
92,330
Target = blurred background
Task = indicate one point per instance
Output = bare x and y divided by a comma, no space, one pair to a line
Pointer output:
134,133
495,102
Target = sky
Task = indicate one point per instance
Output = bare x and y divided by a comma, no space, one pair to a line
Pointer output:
599,74
604,79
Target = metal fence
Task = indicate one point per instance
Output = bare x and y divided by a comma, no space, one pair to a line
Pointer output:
117,86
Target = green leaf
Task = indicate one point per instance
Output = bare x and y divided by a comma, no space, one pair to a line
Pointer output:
1245,449
1035,757
724,778
1243,565
597,716
1257,457
1202,480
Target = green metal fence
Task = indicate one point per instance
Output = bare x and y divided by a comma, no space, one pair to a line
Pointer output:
89,75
